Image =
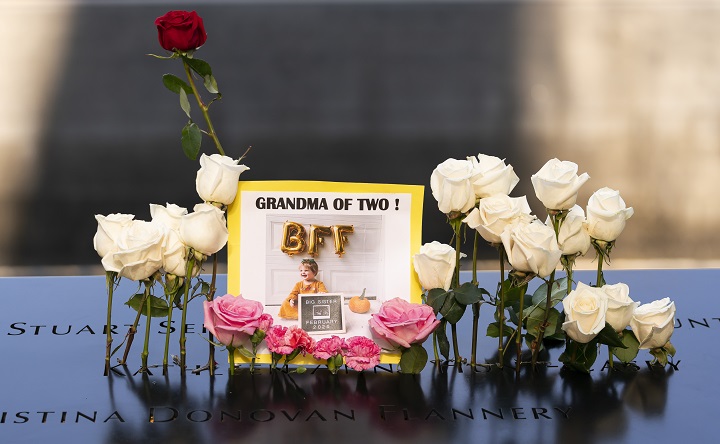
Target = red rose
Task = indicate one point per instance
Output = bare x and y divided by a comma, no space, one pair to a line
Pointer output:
180,30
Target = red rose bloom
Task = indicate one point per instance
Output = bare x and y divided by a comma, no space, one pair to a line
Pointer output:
180,30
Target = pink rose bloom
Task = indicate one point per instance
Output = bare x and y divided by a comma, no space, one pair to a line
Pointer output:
231,319
326,348
284,341
403,323
265,322
361,353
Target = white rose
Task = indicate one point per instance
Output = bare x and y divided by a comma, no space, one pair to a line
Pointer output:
217,178
451,186
606,214
169,215
491,176
175,256
435,265
531,247
205,229
108,230
573,236
653,323
139,252
620,307
557,184
585,309
495,213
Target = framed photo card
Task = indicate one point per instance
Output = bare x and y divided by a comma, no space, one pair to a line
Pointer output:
304,248
322,313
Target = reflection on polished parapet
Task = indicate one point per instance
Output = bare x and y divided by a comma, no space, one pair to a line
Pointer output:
54,389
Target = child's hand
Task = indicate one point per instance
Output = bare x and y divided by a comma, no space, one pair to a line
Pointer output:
292,302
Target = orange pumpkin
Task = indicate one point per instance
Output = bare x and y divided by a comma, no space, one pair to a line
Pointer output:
359,304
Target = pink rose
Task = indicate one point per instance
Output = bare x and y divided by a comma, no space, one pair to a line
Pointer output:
403,323
361,353
231,319
326,348
285,341
265,322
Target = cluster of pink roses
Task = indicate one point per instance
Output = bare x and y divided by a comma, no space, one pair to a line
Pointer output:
235,320
358,352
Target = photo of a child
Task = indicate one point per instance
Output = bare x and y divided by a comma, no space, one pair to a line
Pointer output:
308,270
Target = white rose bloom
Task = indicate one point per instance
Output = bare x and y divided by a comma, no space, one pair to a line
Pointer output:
491,176
217,178
557,183
174,256
109,228
585,309
573,236
451,186
653,323
139,252
531,247
205,229
620,307
495,213
435,265
168,215
606,214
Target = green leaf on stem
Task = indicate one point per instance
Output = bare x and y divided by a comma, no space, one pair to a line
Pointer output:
175,84
514,309
436,299
469,293
185,103
199,66
513,294
158,306
451,310
413,359
609,336
579,356
210,84
245,352
191,139
535,322
442,339
493,330
627,354
559,290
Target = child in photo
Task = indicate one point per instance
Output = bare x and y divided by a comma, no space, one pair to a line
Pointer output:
308,270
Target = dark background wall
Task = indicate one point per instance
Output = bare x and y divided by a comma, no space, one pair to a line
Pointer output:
364,92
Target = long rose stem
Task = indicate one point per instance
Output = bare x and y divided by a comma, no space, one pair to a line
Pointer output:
110,284
131,331
541,335
501,309
203,108
188,273
475,306
145,353
600,280
457,224
518,338
210,296
167,333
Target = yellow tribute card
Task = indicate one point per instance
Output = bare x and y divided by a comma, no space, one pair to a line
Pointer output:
304,249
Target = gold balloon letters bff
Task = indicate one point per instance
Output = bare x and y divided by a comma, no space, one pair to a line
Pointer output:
294,238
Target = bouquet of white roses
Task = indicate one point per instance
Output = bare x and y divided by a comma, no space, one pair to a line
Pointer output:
474,193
